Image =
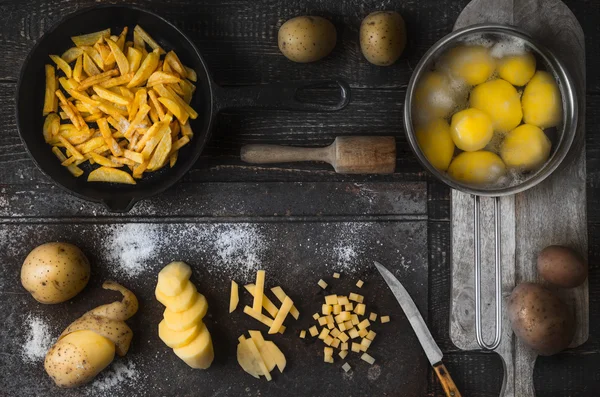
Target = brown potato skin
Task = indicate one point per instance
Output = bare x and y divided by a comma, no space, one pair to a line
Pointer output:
540,319
562,266
306,38
383,37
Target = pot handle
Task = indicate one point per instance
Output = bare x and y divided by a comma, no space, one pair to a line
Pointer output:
498,274
119,204
281,96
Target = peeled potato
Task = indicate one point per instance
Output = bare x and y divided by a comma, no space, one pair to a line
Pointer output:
116,331
517,69
199,352
175,339
436,143
471,129
181,302
181,321
542,104
434,97
526,147
382,37
172,278
306,38
500,100
471,63
477,168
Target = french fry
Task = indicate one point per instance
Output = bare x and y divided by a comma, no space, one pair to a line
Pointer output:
62,65
175,128
103,161
93,117
139,99
134,57
78,69
176,88
82,96
123,161
90,145
169,94
138,170
73,169
173,158
147,39
167,69
175,108
137,120
191,74
68,109
116,81
96,79
67,84
90,38
138,42
110,96
51,127
186,130
157,105
50,105
112,144
178,144
112,175
163,149
95,56
89,67
105,53
111,109
121,125
71,54
74,152
69,161
162,78
75,136
176,64
134,156
188,90
154,132
121,39
145,69
121,59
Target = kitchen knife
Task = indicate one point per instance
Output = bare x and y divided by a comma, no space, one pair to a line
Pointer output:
432,351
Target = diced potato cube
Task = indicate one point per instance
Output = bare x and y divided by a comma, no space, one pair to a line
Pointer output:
336,343
336,275
348,325
343,337
356,298
334,332
303,334
371,335
349,307
355,319
322,320
366,343
373,316
322,283
328,351
364,324
346,367
344,346
360,309
367,358
313,330
353,333
385,319
360,283
329,319
337,309
331,299
324,333
363,333
330,326
343,354
316,316
326,309
329,360
328,340
356,347
342,300
343,316
342,326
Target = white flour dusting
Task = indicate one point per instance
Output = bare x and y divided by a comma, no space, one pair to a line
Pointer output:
130,247
238,247
118,375
38,339
349,246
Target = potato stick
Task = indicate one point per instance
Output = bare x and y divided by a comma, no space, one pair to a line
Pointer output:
71,54
138,42
122,37
89,67
109,109
176,64
173,159
108,138
134,140
71,115
176,89
94,55
67,84
93,117
175,108
77,75
153,113
142,112
188,90
82,96
116,81
162,78
175,128
121,59
73,169
152,131
62,65
104,52
135,156
96,79
154,141
126,93
139,99
191,74
157,105
166,92
49,93
178,144
134,57
186,130
120,126
139,169
90,145
110,96
103,160
68,161
90,38
51,127
147,39
167,68
74,152
123,160
145,70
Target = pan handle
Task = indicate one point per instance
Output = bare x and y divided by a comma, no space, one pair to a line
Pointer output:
280,96
498,274
119,204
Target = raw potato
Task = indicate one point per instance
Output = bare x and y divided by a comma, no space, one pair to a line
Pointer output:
199,352
172,278
55,272
88,345
269,355
562,266
540,319
306,38
383,37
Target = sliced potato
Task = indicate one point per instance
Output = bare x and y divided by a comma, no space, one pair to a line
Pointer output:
110,96
50,104
175,339
163,149
176,64
112,175
71,54
162,78
180,302
51,127
103,161
121,59
89,67
199,352
145,70
96,79
188,318
73,169
134,57
95,56
90,38
174,108
147,39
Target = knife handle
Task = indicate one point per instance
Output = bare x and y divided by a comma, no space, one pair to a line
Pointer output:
446,380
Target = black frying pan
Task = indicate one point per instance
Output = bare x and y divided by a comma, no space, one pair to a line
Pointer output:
208,99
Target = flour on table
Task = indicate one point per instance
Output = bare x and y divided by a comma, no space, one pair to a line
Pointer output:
118,375
38,339
348,246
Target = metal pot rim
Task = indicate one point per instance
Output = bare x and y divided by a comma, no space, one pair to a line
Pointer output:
570,109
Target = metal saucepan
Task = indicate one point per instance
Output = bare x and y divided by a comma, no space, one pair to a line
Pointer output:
564,136
208,100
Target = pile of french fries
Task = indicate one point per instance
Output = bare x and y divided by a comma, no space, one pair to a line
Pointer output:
118,106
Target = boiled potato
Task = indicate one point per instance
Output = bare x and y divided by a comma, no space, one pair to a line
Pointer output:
55,272
526,148
500,100
473,64
562,266
306,38
434,97
436,143
517,69
78,358
540,319
382,37
471,129
542,103
477,168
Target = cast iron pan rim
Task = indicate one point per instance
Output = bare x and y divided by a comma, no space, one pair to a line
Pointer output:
133,199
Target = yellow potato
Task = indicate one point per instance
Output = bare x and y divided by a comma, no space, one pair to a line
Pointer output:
306,38
473,64
382,37
181,302
526,148
145,70
111,175
199,352
55,272
436,143
542,103
471,129
434,97
172,278
477,168
187,319
78,358
116,331
175,339
500,100
517,69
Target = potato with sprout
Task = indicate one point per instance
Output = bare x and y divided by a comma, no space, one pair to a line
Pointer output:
88,345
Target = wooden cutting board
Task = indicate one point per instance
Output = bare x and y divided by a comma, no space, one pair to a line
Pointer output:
553,212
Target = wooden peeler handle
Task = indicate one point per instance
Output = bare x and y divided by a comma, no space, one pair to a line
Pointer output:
446,380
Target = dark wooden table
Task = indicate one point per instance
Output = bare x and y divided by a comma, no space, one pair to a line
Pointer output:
238,40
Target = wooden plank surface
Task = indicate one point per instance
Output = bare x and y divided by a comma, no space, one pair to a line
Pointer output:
554,212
